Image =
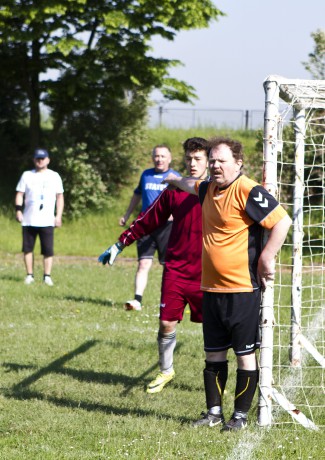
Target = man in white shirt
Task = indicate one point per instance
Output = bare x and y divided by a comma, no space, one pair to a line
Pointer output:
39,207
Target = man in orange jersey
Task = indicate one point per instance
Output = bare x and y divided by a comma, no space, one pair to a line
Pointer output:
235,267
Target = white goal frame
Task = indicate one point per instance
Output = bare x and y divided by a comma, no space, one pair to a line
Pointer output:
293,103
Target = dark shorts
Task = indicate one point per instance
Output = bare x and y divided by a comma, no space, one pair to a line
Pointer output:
175,295
231,321
46,236
156,241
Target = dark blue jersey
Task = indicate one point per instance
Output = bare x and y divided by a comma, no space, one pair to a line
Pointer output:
150,185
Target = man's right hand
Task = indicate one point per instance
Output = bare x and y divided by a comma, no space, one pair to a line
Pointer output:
19,216
122,221
111,253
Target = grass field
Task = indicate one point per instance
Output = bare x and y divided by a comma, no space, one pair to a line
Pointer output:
74,366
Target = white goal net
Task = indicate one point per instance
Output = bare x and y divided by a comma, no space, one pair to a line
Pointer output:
292,315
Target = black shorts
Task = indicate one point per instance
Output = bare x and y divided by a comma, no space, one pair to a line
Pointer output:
46,236
156,241
231,321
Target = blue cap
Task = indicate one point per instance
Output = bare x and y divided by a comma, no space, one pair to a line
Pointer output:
41,153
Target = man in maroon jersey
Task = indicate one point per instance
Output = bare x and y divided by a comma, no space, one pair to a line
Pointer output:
182,270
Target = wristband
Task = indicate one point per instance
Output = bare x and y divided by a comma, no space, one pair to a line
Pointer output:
19,207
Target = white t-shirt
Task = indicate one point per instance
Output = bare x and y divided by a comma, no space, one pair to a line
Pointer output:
40,189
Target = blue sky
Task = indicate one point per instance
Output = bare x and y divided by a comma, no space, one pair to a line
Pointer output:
228,62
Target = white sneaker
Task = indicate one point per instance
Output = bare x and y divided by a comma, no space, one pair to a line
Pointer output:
29,279
48,280
132,305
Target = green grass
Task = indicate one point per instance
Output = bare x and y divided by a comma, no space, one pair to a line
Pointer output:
87,236
74,366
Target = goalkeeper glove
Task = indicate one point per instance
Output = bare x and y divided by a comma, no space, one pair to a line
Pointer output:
111,253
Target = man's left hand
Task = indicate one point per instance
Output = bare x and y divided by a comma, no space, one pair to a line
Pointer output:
111,253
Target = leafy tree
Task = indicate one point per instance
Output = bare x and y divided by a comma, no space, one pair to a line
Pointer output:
90,63
96,46
316,63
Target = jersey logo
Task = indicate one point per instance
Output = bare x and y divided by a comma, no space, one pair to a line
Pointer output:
263,203
153,186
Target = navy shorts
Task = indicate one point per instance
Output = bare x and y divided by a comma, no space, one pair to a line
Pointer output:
175,295
231,321
156,241
46,236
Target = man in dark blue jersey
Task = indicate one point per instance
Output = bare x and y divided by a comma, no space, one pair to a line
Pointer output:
148,189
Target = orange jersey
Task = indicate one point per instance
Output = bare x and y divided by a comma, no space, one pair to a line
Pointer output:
232,223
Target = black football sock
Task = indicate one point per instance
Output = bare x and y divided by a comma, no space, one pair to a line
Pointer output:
245,389
138,297
215,377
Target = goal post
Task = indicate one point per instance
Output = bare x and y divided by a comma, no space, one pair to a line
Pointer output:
292,311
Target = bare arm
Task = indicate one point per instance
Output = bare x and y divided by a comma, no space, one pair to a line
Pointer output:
135,200
19,200
184,183
266,262
59,209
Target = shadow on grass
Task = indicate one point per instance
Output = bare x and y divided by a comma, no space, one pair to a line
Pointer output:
93,407
15,278
21,390
104,303
13,367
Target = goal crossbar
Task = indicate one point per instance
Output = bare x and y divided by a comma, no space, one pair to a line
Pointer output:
301,93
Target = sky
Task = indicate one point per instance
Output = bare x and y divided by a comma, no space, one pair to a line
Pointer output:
228,62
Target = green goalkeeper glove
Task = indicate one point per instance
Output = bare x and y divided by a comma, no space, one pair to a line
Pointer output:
111,253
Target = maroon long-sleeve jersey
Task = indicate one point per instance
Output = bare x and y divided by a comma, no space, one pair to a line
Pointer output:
183,255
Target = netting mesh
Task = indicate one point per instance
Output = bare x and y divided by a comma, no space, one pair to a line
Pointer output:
299,290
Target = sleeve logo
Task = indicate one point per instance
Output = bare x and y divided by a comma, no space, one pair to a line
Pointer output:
263,202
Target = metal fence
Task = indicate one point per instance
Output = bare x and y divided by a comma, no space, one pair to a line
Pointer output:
197,117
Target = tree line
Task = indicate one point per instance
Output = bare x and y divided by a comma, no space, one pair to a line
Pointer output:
89,63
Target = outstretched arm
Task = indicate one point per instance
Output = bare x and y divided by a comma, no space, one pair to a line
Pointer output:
152,218
184,183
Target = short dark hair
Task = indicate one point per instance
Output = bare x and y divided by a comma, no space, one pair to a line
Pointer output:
194,144
161,146
235,146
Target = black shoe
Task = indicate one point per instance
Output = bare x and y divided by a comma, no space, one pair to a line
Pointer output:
235,423
209,420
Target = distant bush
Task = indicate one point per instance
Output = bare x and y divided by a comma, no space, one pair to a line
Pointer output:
84,189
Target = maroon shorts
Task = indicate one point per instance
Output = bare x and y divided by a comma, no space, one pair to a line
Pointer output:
175,295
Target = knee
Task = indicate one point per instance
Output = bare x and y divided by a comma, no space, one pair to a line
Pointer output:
144,265
167,327
247,362
216,356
